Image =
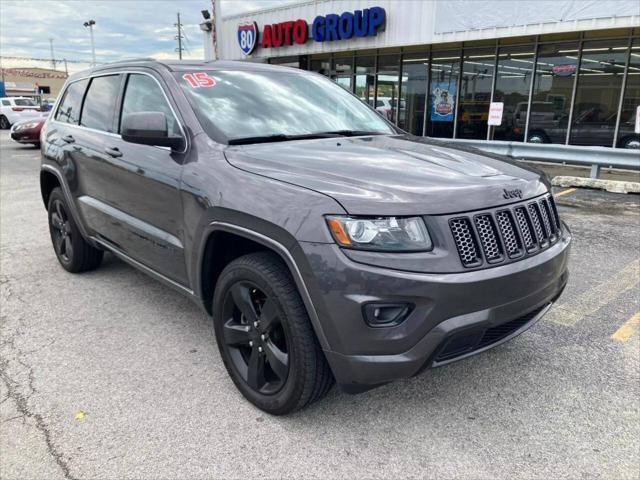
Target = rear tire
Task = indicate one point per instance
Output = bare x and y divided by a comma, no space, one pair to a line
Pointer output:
537,137
74,253
265,336
4,123
632,143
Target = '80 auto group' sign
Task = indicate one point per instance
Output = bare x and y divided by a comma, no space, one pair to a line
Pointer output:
325,28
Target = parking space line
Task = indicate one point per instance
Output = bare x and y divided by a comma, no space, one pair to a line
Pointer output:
626,331
564,192
589,302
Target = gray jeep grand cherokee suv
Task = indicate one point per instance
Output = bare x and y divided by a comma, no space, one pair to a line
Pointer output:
326,244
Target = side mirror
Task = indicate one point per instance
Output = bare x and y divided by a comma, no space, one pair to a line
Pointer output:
149,128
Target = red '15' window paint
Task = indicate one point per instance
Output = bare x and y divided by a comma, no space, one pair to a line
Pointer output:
285,33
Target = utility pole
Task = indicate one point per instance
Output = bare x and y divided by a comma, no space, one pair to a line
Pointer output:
215,9
66,70
90,24
53,58
179,37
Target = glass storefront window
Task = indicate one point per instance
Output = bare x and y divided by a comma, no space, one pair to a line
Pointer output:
286,61
627,138
365,78
513,81
415,68
321,65
443,98
552,89
345,82
387,84
598,94
475,93
343,72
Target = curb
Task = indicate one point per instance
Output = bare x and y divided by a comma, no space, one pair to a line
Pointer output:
615,186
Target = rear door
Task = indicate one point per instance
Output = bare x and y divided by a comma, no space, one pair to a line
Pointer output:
89,141
142,186
63,141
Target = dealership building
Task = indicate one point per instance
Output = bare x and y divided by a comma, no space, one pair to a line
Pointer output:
549,71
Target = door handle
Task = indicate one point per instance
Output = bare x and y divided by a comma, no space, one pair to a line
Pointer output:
69,138
114,152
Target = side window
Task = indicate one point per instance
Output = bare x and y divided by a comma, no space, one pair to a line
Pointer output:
143,94
6,103
100,103
69,109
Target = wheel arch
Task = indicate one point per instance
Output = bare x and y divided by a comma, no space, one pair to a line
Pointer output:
48,181
51,178
234,241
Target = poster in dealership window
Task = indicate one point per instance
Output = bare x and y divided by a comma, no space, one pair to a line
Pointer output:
443,103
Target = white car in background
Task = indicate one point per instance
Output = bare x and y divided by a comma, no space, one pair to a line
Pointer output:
386,106
13,109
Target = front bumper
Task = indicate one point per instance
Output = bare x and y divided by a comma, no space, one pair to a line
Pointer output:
26,136
455,314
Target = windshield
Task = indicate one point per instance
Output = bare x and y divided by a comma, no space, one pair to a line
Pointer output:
252,104
24,102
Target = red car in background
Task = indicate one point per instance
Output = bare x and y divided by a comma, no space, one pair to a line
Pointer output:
28,131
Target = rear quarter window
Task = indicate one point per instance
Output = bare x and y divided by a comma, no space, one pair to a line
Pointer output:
69,109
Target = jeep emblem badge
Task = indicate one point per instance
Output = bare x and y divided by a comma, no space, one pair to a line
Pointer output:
516,192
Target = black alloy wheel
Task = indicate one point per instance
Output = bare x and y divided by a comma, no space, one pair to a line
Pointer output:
255,338
74,253
265,336
4,123
61,231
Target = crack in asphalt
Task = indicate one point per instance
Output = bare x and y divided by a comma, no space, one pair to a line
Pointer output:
21,400
23,408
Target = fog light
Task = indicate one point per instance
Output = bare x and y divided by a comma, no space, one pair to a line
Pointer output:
386,314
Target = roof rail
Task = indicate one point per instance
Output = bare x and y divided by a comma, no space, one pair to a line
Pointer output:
128,60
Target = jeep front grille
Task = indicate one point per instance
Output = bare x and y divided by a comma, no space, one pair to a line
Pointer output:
465,241
489,238
507,233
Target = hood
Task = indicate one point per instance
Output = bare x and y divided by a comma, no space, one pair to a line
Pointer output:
393,175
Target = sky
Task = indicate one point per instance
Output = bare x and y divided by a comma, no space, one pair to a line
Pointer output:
124,29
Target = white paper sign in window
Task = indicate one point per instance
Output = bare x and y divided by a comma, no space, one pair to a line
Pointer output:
495,113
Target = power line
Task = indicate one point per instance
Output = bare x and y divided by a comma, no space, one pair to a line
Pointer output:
47,60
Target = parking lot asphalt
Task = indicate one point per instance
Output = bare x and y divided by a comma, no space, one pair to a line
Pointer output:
111,375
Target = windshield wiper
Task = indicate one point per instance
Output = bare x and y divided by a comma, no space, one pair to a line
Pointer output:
281,137
278,137
352,133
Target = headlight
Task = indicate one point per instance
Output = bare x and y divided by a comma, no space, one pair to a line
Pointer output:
388,234
26,126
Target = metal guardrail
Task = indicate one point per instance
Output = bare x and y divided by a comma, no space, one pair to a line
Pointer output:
595,157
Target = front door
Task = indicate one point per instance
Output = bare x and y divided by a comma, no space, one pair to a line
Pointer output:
143,203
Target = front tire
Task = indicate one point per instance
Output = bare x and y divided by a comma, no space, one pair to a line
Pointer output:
74,253
4,123
265,336
537,137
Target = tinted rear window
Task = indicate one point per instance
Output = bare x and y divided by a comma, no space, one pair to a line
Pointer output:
100,103
69,109
24,102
